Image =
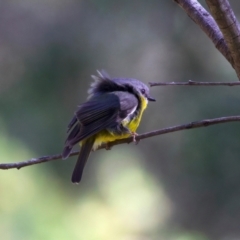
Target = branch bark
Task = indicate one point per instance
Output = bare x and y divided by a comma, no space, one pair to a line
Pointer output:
206,22
197,124
228,24
193,83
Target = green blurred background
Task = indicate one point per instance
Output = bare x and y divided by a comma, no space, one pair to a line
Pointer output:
179,186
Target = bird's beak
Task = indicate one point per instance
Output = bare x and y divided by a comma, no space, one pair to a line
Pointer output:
151,99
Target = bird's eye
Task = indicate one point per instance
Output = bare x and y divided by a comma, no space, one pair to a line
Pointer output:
143,91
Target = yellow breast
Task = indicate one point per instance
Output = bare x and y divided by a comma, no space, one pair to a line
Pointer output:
133,125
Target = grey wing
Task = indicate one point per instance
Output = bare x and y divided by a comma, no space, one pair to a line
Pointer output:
104,111
96,114
128,104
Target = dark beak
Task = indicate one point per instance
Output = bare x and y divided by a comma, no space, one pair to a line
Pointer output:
151,99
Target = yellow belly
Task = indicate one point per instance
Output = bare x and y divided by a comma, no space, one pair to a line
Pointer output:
106,136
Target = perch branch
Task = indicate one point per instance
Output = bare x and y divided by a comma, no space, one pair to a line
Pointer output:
197,124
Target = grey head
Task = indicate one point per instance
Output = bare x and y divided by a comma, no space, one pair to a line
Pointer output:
103,83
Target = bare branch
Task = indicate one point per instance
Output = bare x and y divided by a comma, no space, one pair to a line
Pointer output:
31,161
193,83
202,123
206,22
227,22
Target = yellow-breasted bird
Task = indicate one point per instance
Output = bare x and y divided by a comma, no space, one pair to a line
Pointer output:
112,111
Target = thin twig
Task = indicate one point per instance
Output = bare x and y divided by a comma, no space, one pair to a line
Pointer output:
193,83
206,22
202,123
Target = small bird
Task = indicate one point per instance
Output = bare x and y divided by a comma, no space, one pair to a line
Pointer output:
112,111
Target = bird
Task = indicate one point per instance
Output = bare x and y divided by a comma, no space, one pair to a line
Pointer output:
113,110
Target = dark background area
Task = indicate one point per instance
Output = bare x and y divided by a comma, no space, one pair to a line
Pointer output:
183,185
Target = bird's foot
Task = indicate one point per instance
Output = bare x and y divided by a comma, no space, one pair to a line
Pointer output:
134,135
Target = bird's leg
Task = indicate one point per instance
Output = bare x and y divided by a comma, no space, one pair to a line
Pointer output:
134,135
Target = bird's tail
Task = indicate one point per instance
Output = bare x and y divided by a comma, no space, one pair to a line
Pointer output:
82,159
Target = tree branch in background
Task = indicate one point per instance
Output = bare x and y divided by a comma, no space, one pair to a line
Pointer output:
228,24
193,83
206,22
202,123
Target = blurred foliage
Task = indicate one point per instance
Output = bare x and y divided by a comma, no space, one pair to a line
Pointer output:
178,186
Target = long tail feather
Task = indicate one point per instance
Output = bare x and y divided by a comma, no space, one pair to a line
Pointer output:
82,159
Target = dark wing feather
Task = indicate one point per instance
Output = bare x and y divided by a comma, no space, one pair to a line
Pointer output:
98,109
92,116
68,147
128,103
98,113
105,111
72,123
